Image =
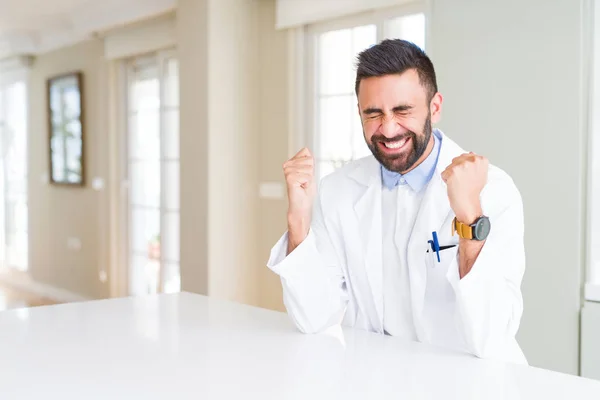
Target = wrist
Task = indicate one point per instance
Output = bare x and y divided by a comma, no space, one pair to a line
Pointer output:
298,226
469,215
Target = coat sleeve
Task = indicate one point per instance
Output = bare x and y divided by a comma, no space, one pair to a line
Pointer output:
489,300
314,289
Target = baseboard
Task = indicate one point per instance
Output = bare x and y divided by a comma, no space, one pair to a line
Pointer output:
41,289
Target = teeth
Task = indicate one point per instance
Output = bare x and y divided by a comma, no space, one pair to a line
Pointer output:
395,145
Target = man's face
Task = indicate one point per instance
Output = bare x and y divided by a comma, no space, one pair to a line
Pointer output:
397,119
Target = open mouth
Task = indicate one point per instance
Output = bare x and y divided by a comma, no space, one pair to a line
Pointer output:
396,146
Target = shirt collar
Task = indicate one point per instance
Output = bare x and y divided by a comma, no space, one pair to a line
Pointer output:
419,177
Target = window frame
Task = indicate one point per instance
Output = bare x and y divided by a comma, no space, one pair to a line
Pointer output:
306,132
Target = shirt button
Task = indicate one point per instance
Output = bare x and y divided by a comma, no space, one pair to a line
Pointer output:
402,181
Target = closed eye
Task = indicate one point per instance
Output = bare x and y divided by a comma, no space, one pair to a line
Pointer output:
402,110
372,112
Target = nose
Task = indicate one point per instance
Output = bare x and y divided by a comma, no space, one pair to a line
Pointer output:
390,128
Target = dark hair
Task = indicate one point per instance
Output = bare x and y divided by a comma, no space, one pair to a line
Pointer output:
395,56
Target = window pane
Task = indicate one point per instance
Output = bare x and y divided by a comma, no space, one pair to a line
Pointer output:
21,217
144,94
337,57
144,136
170,237
16,189
335,128
16,250
171,84
172,279
171,182
15,132
171,137
335,62
13,182
144,275
363,37
144,183
144,230
16,232
410,27
325,168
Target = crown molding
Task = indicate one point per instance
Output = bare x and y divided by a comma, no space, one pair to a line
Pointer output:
15,63
81,24
111,14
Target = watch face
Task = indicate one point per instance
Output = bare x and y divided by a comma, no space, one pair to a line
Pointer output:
482,228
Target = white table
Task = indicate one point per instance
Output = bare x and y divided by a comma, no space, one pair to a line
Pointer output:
190,347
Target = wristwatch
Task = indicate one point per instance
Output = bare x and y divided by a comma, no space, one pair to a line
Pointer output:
479,230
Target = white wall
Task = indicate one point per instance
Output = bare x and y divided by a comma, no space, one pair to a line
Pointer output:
590,345
594,154
511,75
590,315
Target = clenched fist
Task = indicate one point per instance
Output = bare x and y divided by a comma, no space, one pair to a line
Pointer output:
301,189
465,179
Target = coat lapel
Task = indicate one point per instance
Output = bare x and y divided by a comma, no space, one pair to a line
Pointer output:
367,210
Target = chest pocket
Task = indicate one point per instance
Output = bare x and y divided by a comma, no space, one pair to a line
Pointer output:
438,288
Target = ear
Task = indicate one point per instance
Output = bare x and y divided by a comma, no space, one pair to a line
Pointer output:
436,108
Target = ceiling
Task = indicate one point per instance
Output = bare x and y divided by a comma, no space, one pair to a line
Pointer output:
38,26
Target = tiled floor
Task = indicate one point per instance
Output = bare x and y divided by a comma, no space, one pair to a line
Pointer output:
13,298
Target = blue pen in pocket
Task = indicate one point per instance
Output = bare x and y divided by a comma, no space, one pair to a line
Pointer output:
435,245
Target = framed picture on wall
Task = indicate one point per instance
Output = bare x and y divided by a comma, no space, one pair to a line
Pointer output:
66,129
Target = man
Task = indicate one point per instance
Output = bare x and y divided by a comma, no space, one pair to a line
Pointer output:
422,240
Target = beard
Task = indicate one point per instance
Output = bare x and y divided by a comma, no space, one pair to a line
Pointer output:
402,162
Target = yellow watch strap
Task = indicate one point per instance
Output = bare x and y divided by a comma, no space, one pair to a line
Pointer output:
464,231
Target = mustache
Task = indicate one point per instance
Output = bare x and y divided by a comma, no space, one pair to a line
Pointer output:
383,139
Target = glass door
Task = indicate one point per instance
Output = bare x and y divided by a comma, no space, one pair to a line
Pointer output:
13,176
153,174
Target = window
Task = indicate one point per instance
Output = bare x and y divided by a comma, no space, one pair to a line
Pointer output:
153,174
13,176
337,136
